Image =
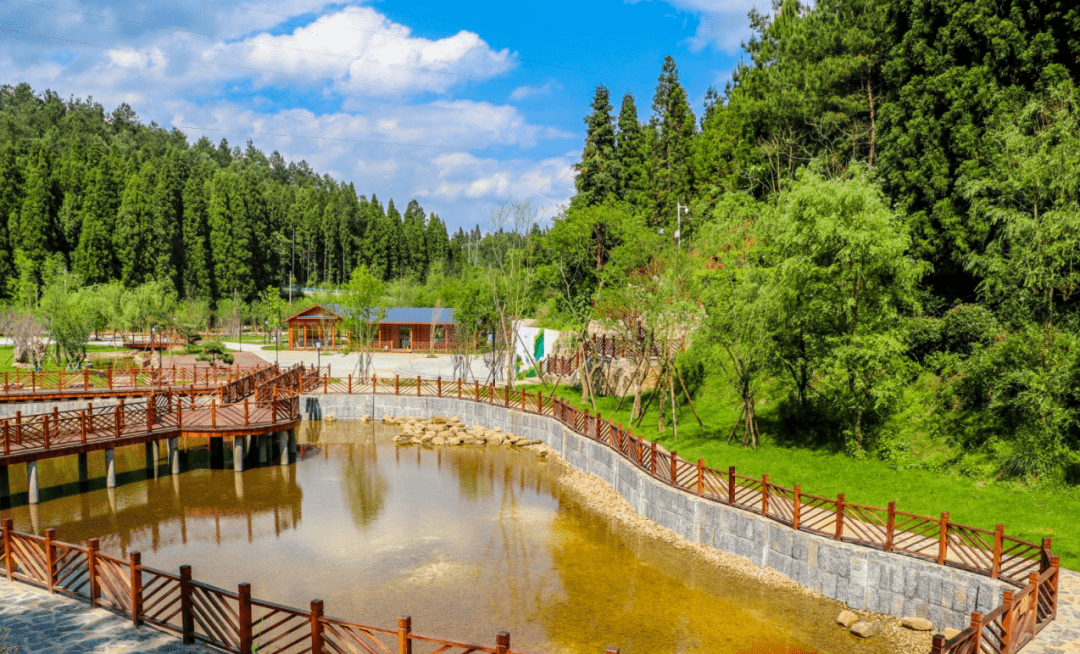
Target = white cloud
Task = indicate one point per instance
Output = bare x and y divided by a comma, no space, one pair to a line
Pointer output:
722,24
366,53
523,92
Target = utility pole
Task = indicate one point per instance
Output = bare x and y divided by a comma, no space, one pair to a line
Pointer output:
679,211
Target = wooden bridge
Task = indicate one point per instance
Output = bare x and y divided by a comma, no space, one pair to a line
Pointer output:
254,403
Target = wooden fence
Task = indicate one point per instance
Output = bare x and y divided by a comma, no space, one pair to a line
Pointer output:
52,382
231,620
1030,566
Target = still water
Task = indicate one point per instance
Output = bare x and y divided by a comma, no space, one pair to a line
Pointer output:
468,541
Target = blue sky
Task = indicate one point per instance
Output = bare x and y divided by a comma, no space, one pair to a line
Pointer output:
463,106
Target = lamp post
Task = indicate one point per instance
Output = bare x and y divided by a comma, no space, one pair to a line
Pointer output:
318,354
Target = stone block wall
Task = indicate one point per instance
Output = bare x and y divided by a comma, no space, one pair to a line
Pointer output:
861,577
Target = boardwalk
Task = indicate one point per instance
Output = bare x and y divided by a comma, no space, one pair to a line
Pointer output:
262,401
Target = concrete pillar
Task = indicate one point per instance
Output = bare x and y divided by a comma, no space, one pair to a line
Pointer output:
238,479
217,453
174,455
264,449
151,462
283,441
292,445
111,491
239,450
84,470
5,488
35,519
32,489
110,468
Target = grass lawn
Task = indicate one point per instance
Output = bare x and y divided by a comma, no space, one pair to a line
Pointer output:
1027,512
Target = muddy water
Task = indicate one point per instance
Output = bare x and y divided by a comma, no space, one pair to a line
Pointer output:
465,540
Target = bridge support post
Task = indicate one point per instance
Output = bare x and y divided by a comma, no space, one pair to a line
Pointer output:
292,445
32,490
84,470
151,459
110,468
174,455
264,449
238,480
217,453
283,442
5,488
239,450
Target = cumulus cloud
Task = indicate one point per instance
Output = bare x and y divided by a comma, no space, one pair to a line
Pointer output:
524,92
364,52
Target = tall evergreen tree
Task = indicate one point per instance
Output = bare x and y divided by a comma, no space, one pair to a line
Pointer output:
673,123
598,172
631,151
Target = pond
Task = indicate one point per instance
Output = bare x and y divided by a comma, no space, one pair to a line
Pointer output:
468,541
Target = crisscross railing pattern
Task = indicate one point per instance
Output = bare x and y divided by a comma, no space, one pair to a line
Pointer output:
233,621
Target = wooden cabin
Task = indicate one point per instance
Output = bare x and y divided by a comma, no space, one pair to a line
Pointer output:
402,329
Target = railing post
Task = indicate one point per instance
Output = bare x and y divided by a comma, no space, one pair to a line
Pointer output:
976,622
652,466
45,429
438,386
476,384
9,564
539,403
765,494
943,539
244,618
18,427
506,394
418,386
316,627
50,560
7,439
700,476
110,379
1033,606
92,546
796,507
1007,620
599,418
502,642
187,615
397,385
326,381
937,646
350,383
404,627
213,412
150,409
839,517
731,485
674,469
890,526
995,566
459,388
136,588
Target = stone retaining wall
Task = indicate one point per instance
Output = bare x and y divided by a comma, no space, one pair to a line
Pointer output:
861,577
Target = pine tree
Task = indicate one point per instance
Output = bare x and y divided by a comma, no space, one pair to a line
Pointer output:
415,259
598,172
94,259
34,232
198,268
631,151
438,243
231,246
132,239
673,123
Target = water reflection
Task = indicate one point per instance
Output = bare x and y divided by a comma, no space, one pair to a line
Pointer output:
466,540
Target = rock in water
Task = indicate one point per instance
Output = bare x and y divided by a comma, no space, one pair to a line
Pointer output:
846,618
864,629
917,624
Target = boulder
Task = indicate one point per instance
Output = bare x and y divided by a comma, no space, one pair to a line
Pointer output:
438,440
388,419
444,434
438,420
846,619
496,439
917,624
864,629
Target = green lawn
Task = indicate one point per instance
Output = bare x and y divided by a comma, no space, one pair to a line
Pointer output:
1030,513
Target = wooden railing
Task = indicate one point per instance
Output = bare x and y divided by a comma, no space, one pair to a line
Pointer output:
20,384
233,621
29,436
1028,565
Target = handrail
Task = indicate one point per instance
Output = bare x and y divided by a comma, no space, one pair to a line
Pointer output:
197,611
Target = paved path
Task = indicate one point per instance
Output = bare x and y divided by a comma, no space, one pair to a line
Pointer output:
40,623
1063,634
